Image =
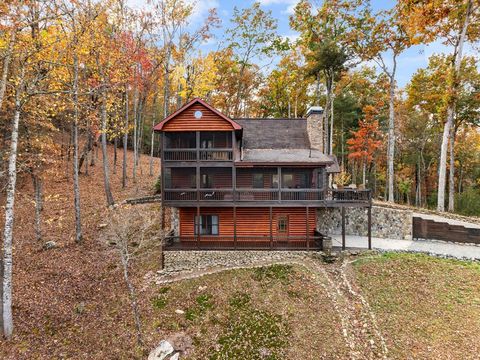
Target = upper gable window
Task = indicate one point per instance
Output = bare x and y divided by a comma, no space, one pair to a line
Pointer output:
198,114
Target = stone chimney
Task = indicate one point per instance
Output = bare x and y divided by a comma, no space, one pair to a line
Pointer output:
315,127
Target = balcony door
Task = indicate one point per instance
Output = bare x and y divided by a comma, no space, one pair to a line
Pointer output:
283,225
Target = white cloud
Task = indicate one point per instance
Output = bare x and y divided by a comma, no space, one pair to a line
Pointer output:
289,3
201,8
292,38
270,2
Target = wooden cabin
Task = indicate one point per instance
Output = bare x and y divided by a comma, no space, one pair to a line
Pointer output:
247,183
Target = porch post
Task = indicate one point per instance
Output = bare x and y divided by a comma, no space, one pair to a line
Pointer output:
234,184
308,231
279,172
369,228
198,226
197,142
162,180
235,227
343,228
271,230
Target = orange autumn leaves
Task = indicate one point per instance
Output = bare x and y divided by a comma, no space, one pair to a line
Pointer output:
366,140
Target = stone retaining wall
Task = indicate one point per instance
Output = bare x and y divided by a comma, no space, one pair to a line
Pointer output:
387,223
177,261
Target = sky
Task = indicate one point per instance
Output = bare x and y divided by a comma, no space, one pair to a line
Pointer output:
408,62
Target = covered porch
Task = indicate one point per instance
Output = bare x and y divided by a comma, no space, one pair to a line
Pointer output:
241,228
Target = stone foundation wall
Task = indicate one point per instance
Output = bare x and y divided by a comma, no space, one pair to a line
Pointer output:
386,222
175,221
176,261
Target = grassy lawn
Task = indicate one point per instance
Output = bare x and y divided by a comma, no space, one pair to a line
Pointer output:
427,308
274,312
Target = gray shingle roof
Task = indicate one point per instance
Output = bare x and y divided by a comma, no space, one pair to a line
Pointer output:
274,133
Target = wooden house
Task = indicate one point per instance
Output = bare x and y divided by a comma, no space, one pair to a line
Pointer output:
247,183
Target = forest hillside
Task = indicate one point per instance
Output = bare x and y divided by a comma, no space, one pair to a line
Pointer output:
71,299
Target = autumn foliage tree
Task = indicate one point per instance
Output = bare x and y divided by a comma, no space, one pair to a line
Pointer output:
365,141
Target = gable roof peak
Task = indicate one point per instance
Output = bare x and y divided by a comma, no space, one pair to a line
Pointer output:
196,100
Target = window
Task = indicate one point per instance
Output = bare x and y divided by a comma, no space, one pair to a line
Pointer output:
258,181
304,180
275,181
282,225
207,181
193,181
208,225
287,180
321,179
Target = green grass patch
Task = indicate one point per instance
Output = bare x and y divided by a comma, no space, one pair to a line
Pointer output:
278,272
240,300
161,301
426,306
252,334
204,302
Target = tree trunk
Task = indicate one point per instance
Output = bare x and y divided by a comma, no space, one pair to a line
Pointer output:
76,182
106,173
133,298
364,171
115,145
6,63
451,177
125,143
152,138
135,119
141,119
330,146
38,190
391,134
7,262
442,171
166,85
325,118
86,149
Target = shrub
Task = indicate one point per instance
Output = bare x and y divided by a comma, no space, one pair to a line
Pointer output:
159,302
468,202
158,185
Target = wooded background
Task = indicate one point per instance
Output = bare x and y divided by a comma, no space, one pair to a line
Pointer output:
78,76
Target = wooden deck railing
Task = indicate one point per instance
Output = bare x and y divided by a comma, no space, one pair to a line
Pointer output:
203,154
269,195
349,195
209,242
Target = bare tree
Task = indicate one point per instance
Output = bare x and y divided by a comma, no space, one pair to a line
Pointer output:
134,238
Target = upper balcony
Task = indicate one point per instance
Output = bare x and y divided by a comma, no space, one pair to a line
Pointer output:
198,146
224,186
